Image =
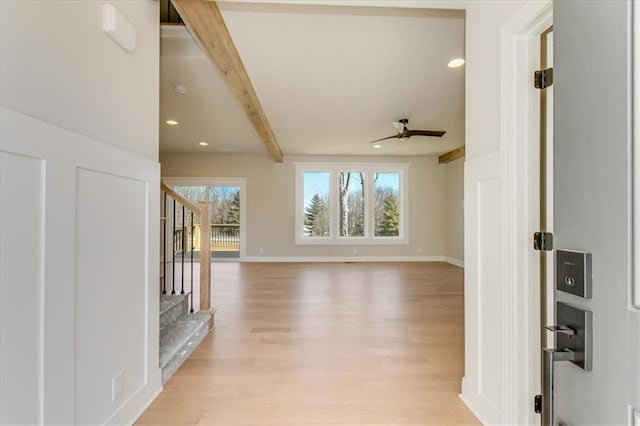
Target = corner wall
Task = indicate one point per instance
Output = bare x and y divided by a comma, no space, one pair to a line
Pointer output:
79,209
454,207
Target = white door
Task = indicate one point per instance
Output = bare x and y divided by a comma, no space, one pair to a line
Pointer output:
593,205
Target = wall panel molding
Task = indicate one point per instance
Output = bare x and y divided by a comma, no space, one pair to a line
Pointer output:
68,155
22,212
483,283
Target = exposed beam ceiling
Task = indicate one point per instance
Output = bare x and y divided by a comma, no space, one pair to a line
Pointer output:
451,155
207,26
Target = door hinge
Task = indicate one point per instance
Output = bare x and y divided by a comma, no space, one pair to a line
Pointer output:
543,241
543,78
537,404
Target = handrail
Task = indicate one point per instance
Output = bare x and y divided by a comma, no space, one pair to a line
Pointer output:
186,243
173,194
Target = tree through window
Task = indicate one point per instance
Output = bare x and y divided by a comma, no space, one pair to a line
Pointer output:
351,203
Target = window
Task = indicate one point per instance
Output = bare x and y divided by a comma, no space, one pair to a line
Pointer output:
351,204
386,210
316,204
344,203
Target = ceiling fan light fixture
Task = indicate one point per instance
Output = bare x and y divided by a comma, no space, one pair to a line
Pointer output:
405,133
456,63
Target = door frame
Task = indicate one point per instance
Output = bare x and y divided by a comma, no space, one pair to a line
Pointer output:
221,181
520,150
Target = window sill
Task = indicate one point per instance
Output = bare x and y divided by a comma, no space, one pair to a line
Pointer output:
352,241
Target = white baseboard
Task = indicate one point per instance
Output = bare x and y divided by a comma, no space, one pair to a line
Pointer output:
342,259
454,261
135,406
487,415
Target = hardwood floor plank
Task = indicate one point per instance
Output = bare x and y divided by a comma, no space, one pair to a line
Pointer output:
325,344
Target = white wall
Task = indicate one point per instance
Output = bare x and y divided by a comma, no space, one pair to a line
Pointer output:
79,279
454,208
483,74
271,204
60,67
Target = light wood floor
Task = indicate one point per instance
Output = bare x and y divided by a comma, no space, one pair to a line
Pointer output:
325,344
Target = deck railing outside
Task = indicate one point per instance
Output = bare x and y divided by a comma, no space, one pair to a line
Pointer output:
224,237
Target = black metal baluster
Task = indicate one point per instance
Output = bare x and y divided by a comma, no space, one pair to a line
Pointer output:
184,237
164,246
173,252
191,244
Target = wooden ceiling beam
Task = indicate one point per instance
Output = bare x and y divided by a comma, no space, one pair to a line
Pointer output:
451,155
207,27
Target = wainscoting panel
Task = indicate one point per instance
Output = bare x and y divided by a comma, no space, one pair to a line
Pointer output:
482,385
21,288
490,345
110,303
79,276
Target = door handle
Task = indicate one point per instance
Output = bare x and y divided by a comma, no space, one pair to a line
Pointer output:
550,356
562,329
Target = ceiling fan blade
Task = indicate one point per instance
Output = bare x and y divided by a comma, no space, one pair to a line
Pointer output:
435,133
384,139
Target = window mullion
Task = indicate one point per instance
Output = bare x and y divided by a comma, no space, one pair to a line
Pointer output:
367,204
334,205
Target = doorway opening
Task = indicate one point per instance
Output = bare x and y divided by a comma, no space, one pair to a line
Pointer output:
226,199
225,221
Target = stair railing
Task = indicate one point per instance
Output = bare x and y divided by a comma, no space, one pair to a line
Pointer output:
179,231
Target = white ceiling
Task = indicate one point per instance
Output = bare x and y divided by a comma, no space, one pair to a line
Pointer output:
329,78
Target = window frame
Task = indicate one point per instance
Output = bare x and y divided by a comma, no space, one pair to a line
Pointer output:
368,170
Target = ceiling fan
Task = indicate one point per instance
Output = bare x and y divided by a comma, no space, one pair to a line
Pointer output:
405,133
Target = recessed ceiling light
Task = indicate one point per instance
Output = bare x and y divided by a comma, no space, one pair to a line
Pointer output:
204,143
377,146
181,89
455,63
172,122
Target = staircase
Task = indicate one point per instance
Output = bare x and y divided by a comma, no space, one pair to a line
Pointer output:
181,329
180,332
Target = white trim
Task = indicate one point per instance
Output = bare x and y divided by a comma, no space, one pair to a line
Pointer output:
478,407
130,417
209,181
240,182
367,169
520,191
481,182
455,262
343,259
634,416
635,157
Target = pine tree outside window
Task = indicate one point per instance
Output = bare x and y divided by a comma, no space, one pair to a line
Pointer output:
387,208
317,216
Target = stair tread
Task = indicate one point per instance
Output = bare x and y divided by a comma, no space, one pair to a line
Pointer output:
177,334
168,301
